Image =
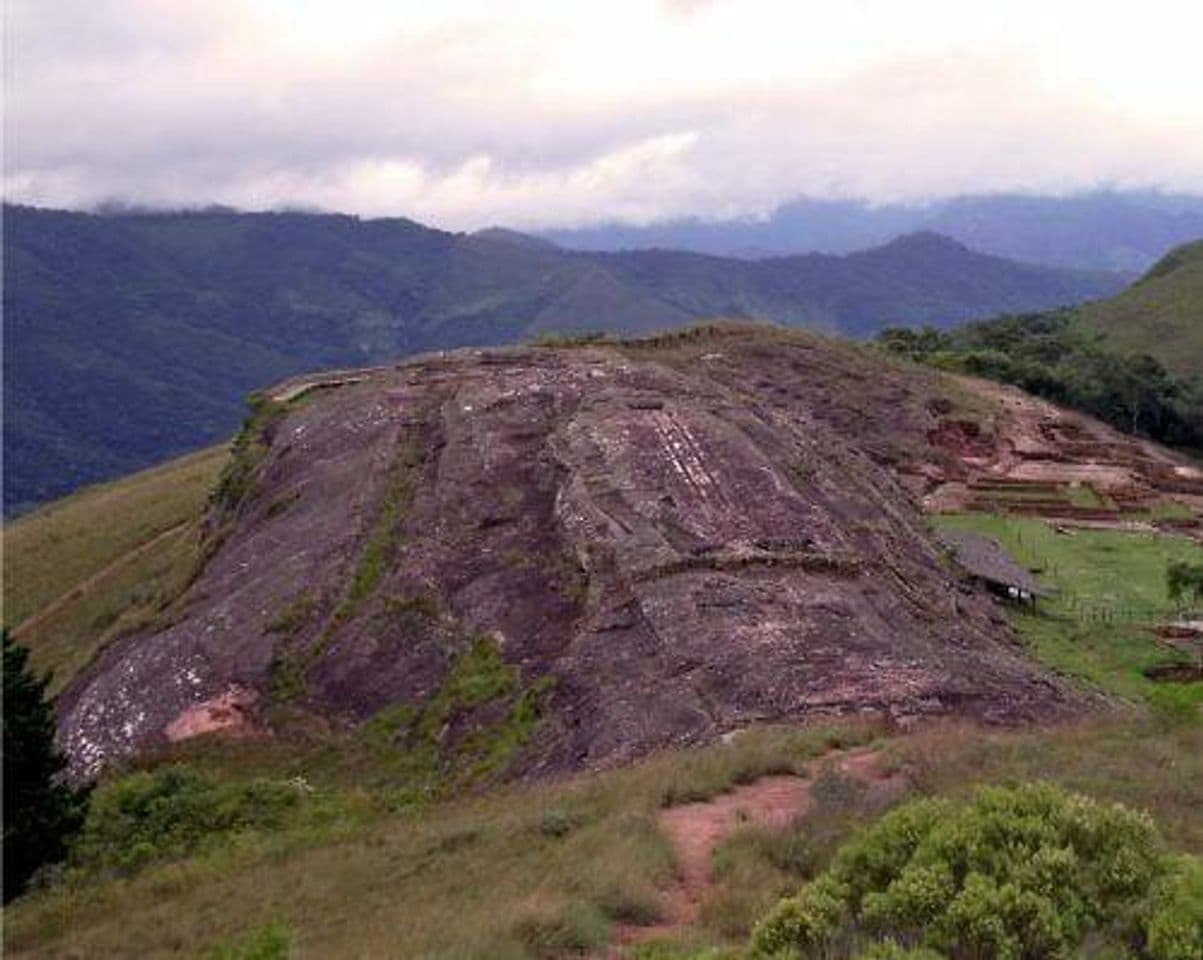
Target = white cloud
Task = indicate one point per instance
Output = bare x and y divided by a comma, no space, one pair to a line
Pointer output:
531,112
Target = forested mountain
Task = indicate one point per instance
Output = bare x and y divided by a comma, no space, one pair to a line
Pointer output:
129,337
1111,230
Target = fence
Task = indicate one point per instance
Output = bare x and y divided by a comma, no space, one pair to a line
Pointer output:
1095,612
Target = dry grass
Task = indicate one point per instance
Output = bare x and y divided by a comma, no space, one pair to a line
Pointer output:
125,599
515,873
532,870
50,550
1141,764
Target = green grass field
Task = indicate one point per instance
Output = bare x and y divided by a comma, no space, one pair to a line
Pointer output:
100,530
1111,590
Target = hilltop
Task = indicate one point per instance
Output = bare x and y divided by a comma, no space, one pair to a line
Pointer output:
132,337
571,557
1161,314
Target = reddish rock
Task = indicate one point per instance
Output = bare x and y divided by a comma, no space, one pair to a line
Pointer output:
689,535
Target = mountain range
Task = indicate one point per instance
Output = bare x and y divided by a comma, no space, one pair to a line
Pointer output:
129,337
1102,229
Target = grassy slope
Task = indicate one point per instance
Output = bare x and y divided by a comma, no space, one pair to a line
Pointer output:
1161,315
507,874
100,530
359,869
525,871
1112,585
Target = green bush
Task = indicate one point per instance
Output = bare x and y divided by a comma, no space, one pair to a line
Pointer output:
271,942
1012,874
1174,925
574,926
892,950
169,812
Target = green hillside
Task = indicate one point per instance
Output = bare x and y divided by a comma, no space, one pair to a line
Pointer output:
1053,355
83,570
1161,314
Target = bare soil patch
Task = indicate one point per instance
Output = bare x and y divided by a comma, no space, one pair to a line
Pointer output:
696,830
1036,459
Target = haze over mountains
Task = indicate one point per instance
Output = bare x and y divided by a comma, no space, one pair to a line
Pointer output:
130,337
1102,230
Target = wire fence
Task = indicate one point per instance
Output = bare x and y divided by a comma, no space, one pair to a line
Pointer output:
1095,612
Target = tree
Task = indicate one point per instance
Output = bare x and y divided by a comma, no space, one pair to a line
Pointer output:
41,811
1184,580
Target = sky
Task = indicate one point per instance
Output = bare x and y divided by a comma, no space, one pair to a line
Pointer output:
560,113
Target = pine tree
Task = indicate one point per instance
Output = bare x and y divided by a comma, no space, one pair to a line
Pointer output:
41,812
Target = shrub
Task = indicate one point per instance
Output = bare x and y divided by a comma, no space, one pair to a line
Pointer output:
810,919
892,950
270,942
170,812
1014,873
1174,924
558,822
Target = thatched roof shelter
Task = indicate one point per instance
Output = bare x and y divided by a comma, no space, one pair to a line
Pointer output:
985,559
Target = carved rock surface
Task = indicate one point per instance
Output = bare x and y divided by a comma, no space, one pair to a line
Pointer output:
689,534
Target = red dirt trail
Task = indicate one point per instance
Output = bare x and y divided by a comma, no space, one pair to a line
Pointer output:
697,829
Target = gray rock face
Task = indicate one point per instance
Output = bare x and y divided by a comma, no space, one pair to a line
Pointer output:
689,535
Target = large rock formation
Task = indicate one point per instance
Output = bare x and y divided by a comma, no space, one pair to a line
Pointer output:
688,534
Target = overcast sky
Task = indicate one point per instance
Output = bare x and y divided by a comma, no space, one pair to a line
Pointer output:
464,114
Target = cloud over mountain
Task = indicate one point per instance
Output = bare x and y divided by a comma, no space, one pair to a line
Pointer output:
541,114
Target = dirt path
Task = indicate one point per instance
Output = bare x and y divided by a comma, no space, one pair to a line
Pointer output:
696,830
87,585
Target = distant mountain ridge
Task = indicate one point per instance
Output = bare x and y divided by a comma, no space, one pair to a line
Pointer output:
130,337
1100,230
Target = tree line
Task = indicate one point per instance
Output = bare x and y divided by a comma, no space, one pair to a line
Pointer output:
1049,355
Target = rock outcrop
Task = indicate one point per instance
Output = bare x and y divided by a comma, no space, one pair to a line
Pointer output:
686,535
